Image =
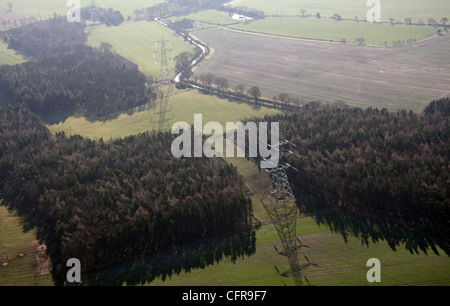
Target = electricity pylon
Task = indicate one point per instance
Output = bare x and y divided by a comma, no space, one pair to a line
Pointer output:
93,11
279,203
164,87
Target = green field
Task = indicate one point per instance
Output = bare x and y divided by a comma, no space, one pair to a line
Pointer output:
136,41
329,29
339,264
9,56
20,271
256,181
48,7
398,9
184,106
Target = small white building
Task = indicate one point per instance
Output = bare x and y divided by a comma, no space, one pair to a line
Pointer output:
241,17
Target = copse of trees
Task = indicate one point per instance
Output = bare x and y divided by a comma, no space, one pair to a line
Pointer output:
46,38
183,64
105,203
87,82
243,10
67,77
182,25
109,17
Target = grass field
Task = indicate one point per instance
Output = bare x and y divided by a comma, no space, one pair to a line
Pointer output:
398,9
7,17
329,29
48,7
20,271
9,56
407,77
136,41
339,264
184,106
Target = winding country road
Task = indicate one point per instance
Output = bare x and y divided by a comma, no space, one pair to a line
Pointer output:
195,61
205,51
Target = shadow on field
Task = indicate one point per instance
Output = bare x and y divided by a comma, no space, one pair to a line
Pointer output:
379,222
165,265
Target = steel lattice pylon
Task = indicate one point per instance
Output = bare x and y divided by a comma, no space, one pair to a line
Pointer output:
94,16
279,203
165,87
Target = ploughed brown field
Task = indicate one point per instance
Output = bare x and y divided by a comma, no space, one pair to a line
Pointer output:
404,77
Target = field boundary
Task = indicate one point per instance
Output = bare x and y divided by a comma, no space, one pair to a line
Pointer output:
321,40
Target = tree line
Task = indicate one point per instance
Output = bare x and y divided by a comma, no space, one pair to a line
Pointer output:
179,7
212,82
109,202
65,77
109,17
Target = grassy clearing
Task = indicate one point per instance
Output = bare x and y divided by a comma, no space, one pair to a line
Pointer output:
256,181
20,271
406,77
328,29
399,9
9,56
136,41
184,106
